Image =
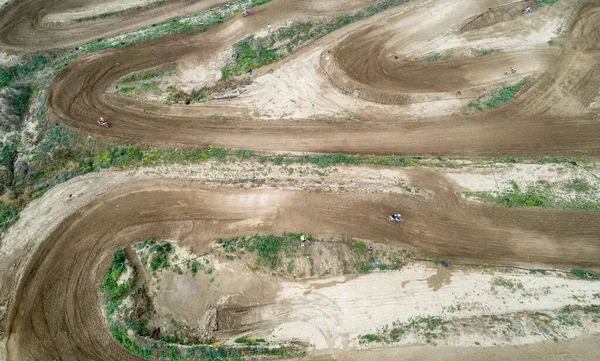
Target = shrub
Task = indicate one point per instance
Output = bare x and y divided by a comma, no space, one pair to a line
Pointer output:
109,285
29,65
505,95
268,248
249,341
371,338
365,268
583,273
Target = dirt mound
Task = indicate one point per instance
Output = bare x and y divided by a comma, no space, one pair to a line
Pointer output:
498,14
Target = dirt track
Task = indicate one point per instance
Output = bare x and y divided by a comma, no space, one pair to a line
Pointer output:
55,314
58,294
23,25
549,118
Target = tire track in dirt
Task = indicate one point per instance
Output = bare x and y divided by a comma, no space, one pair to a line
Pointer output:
22,25
78,96
56,313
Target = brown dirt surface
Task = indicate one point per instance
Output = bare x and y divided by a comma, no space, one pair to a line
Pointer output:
56,310
548,117
55,256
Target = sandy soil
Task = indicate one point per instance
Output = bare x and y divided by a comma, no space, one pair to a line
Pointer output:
332,312
94,9
7,59
334,316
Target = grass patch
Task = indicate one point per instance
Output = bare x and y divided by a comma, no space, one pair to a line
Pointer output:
431,58
366,268
371,338
253,53
279,255
579,185
29,65
137,84
541,3
505,95
199,95
583,274
268,248
249,341
541,195
475,105
147,75
483,51
518,198
326,160
189,24
9,213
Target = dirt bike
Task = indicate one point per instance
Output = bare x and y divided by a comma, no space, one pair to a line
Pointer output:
103,124
246,13
392,219
510,71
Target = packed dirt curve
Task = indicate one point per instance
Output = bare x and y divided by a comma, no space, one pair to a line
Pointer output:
550,117
64,271
56,255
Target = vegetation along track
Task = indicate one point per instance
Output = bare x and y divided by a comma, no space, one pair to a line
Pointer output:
550,118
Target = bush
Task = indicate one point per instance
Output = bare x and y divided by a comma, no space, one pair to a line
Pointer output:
109,285
17,98
583,273
160,256
29,65
505,95
251,54
268,248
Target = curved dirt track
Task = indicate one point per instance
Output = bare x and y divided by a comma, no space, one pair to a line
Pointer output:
56,313
539,123
23,25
